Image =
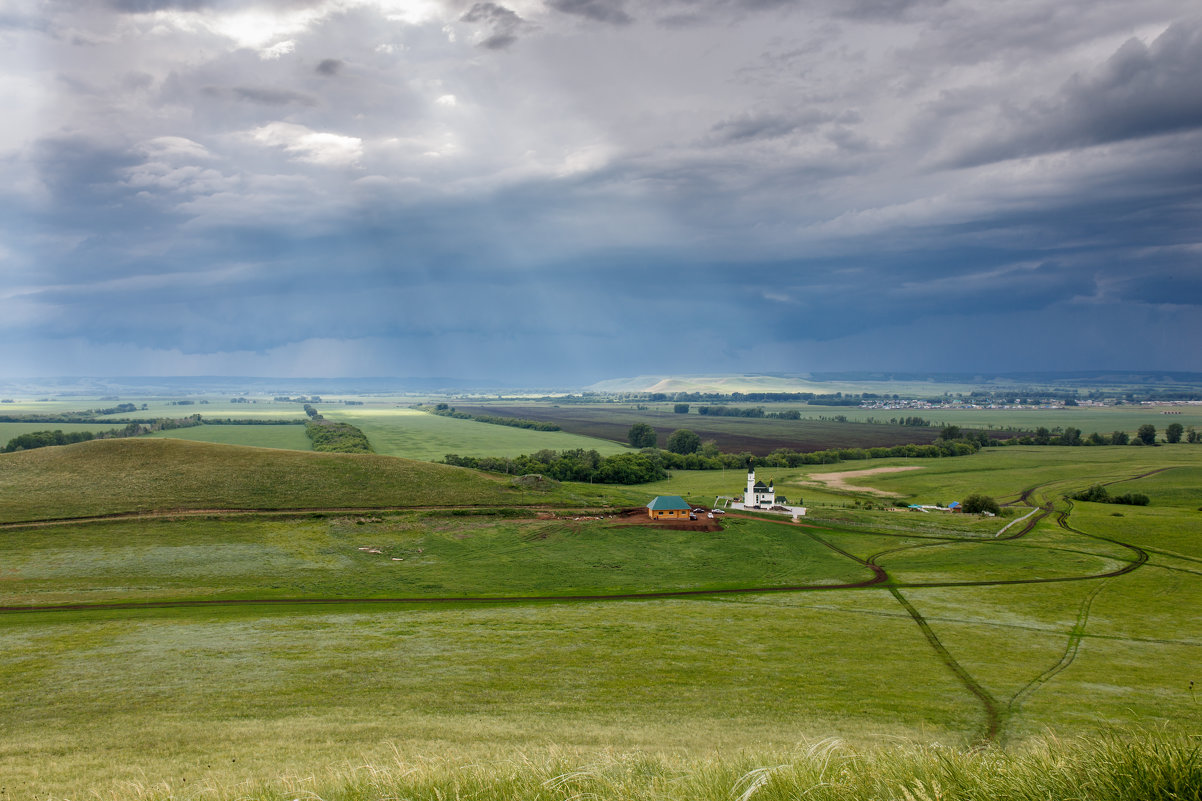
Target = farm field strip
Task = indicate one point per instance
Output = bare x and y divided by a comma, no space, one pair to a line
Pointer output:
759,436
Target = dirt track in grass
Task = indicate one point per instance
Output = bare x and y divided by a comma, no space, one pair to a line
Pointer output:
838,481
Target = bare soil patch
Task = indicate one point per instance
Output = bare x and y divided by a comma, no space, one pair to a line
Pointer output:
838,481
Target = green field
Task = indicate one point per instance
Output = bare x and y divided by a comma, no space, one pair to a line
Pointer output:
145,474
157,407
1063,630
413,434
1103,419
290,437
10,430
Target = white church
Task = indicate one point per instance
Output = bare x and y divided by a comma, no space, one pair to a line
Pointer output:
759,496
758,493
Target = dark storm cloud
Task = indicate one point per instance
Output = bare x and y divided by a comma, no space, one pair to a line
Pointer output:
262,94
240,189
1140,91
885,9
329,66
80,172
607,11
767,125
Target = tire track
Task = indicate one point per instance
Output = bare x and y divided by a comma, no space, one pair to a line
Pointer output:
993,711
1076,633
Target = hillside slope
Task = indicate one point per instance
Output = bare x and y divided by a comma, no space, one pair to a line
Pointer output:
129,475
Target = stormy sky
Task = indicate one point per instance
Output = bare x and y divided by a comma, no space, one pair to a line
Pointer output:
562,191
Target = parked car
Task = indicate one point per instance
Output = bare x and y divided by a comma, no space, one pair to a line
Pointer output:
719,511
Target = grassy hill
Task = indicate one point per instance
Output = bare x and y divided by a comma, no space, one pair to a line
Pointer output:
132,475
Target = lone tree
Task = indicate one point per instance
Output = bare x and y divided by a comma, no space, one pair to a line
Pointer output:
976,504
950,432
641,435
684,441
1173,432
1146,434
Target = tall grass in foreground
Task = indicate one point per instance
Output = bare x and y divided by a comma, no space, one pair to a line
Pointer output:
1139,766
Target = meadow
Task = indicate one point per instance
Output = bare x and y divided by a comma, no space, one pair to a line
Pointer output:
1103,419
10,430
289,437
955,635
759,436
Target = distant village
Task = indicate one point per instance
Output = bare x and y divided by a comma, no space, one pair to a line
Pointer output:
896,404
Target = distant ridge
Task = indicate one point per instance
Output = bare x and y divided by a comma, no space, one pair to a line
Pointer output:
860,381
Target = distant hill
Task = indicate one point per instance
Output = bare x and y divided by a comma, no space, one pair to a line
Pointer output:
711,383
130,475
895,381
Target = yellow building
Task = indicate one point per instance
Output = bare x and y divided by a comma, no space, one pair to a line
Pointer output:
668,507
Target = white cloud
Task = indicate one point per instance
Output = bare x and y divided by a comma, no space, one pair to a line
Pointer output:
277,50
309,146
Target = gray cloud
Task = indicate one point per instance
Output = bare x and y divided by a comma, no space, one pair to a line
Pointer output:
329,66
229,196
608,11
1140,91
264,95
148,6
503,23
767,125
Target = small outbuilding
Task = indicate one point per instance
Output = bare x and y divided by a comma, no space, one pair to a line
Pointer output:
668,507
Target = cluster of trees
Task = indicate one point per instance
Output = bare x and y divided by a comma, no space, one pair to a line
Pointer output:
328,436
120,408
641,435
652,464
573,465
976,504
682,441
44,439
514,422
731,411
1098,494
738,411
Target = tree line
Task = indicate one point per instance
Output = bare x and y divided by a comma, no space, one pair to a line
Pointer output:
445,410
653,464
44,439
1098,494
686,451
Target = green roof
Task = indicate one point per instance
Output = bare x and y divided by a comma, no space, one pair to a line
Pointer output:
664,503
